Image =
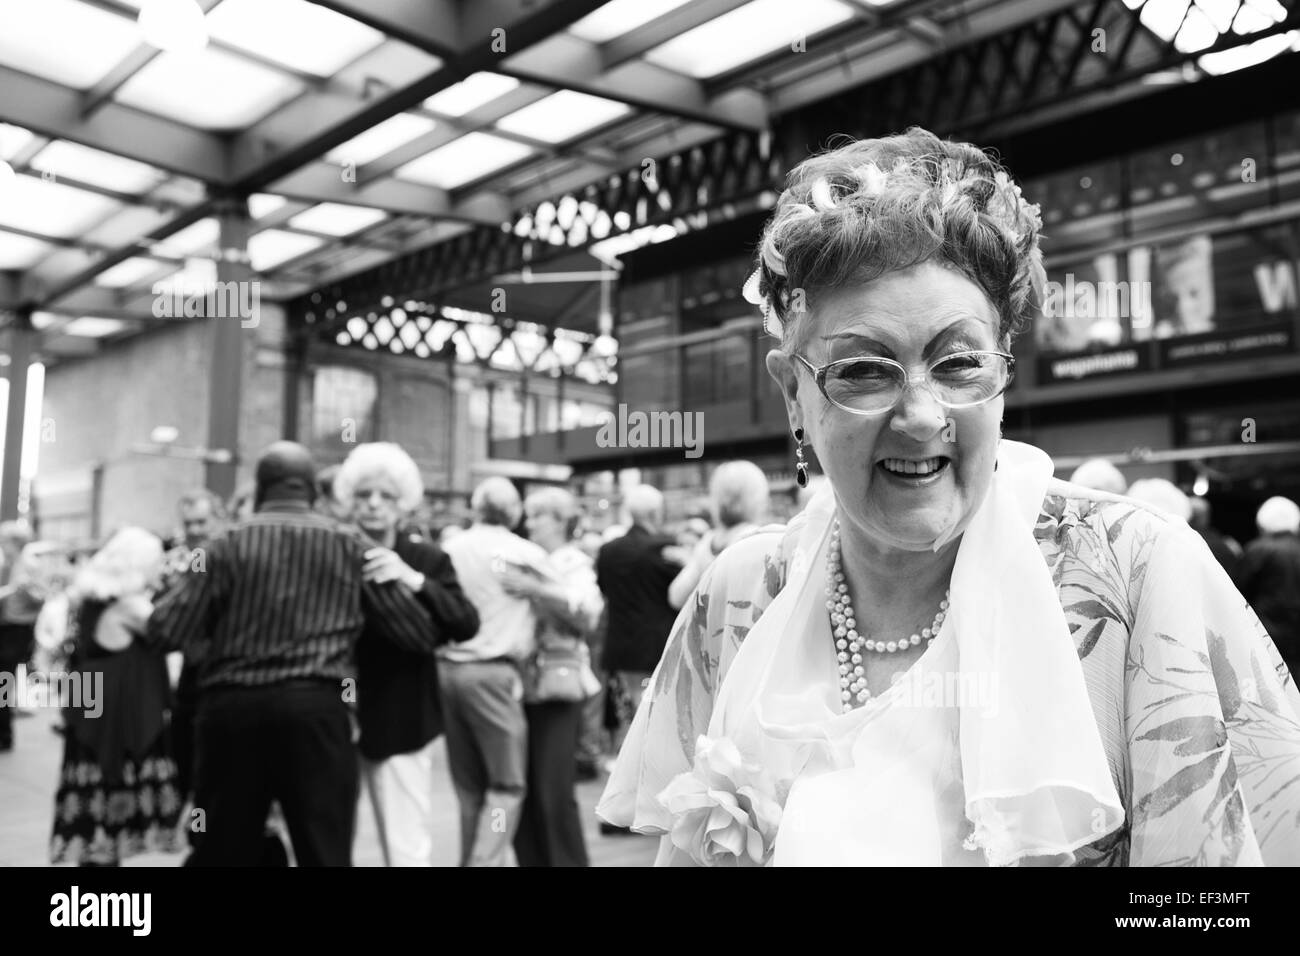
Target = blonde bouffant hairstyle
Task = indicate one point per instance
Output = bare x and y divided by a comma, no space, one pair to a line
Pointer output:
871,207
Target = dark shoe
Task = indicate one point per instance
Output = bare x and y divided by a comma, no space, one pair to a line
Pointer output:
609,829
586,770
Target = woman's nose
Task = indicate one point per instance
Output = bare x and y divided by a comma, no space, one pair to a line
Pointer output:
918,414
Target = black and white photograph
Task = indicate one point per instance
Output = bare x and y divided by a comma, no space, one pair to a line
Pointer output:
649,433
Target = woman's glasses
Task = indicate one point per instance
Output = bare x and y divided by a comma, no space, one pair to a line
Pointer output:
873,386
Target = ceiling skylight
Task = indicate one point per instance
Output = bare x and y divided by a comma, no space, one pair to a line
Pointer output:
471,157
470,93
337,219
380,139
746,34
562,116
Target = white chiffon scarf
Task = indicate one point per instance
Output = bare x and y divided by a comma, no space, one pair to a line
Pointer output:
867,787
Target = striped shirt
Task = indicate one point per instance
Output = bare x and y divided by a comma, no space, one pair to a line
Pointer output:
280,597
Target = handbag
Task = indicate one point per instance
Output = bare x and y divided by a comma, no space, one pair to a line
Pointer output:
559,671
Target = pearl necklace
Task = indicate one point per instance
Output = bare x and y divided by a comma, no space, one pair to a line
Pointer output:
849,644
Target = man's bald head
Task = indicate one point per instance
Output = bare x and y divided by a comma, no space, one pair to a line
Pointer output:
286,470
496,501
645,506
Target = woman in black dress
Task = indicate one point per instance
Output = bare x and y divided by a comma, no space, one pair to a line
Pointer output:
117,792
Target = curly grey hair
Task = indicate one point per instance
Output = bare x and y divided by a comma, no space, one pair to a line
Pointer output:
876,206
380,458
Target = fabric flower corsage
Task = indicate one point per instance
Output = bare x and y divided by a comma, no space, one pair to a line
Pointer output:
726,811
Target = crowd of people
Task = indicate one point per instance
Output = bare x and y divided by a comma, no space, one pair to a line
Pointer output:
264,668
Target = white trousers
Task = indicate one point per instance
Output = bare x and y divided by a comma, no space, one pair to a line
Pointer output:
401,791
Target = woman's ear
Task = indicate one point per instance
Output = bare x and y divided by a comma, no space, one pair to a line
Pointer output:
783,371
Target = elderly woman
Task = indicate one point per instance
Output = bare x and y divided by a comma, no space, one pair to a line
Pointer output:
949,657
738,494
568,603
398,705
117,793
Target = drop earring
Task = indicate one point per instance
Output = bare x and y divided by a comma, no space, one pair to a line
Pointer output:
800,465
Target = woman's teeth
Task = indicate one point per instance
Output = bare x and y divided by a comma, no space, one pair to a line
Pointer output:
904,466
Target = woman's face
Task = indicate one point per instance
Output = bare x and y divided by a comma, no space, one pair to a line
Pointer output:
545,528
375,504
914,317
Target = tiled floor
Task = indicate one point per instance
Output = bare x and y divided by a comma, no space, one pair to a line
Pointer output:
27,781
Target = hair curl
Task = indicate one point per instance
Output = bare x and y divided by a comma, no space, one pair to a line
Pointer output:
871,207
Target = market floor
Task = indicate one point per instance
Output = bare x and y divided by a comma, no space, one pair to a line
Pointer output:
29,771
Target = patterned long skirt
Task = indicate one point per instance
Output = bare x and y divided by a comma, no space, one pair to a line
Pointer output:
102,822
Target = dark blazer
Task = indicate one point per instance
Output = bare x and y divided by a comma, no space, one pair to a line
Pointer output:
397,689
1268,577
634,577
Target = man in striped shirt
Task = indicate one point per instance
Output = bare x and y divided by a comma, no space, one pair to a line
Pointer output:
273,614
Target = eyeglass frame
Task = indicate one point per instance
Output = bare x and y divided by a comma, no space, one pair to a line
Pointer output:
819,373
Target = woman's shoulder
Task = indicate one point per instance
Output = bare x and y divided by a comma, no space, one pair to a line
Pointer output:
1070,510
758,557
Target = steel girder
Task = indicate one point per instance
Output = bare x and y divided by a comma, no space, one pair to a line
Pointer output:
726,170
1037,65
1070,54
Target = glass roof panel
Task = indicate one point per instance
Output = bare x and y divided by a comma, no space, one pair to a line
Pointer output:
12,139
620,16
337,219
263,204
562,116
72,43
745,34
1252,54
271,247
97,168
1163,17
277,30
208,89
128,272
52,209
21,252
470,93
471,157
380,139
198,238
93,327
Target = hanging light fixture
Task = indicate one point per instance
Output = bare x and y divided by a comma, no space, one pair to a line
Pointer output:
176,26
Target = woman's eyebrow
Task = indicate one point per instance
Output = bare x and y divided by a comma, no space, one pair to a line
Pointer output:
864,341
965,330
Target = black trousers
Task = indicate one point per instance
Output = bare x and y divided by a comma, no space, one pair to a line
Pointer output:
17,642
550,829
291,743
184,711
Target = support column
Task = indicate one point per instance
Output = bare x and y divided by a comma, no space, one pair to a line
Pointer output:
295,373
236,285
22,343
